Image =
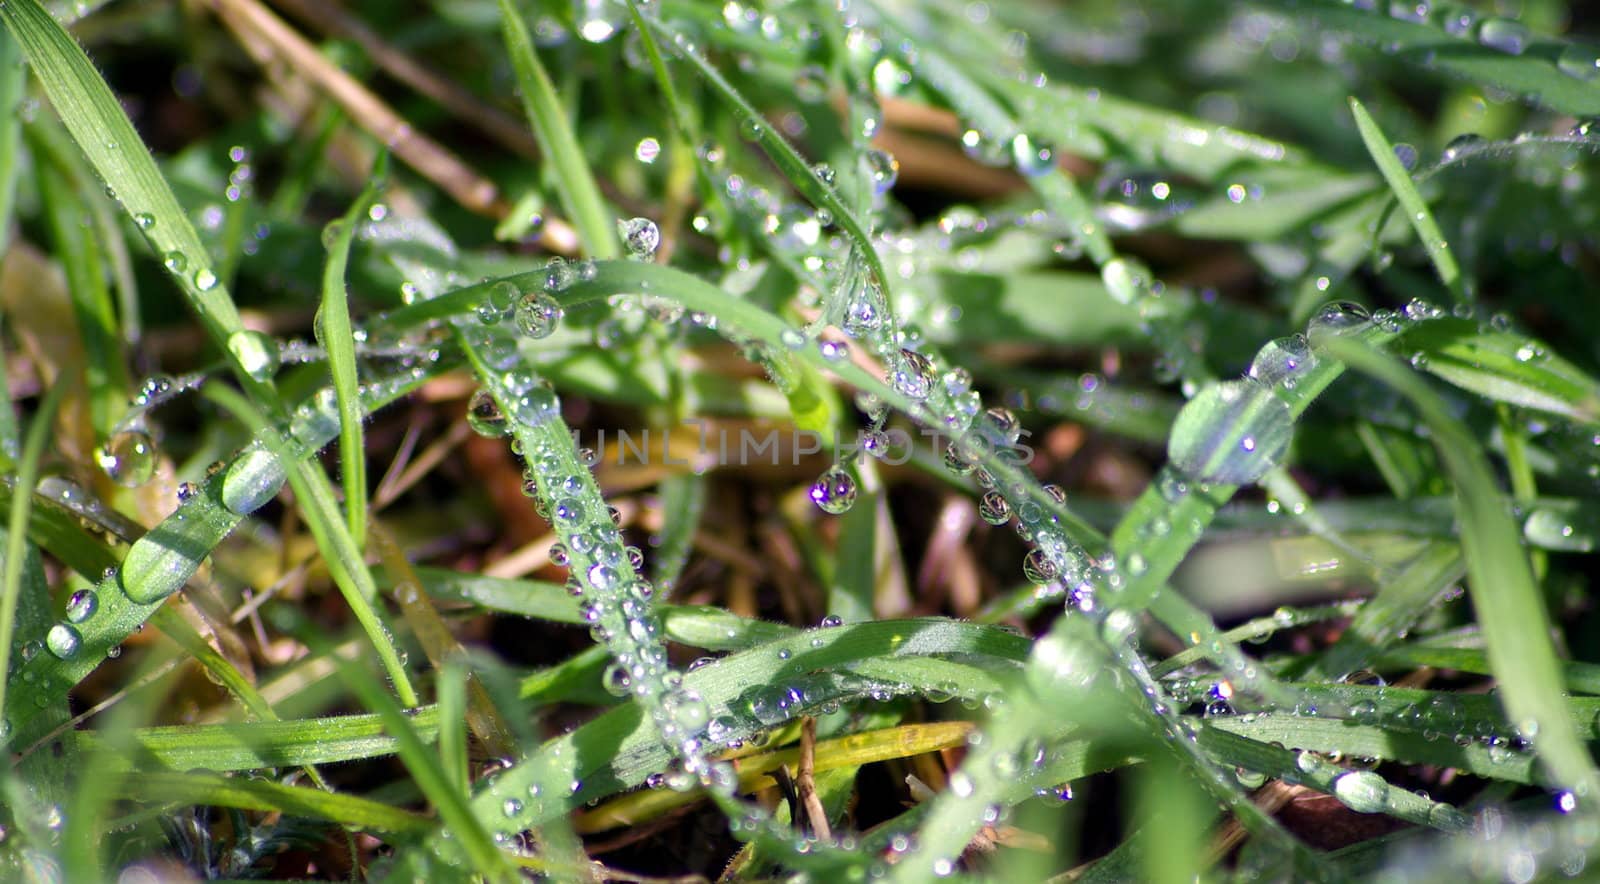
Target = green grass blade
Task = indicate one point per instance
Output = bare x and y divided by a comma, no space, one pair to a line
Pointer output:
1533,73
259,745
559,144
321,513
17,538
100,127
218,790
465,824
1511,609
1411,202
338,338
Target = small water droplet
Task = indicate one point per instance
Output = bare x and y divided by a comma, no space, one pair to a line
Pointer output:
204,279
834,491
145,220
82,605
484,415
883,170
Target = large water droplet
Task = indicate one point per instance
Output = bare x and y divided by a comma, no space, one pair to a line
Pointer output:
1551,529
484,415
1336,318
128,458
1504,34
1362,791
834,491
157,566
63,641
256,353
1233,432
994,508
250,482
1124,279
641,237
538,314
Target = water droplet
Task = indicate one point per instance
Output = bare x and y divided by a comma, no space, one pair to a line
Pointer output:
1461,145
250,482
63,641
617,681
145,220
1233,432
204,279
82,605
484,415
1283,362
128,458
994,508
1336,318
641,237
834,491
559,275
883,170
1124,279
1407,155
175,262
1031,157
1362,791
255,352
1504,34
1551,529
512,807
1580,60
538,314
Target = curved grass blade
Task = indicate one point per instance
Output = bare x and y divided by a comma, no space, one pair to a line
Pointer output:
162,561
1506,367
98,124
1511,609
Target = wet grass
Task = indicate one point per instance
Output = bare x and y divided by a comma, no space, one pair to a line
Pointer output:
917,440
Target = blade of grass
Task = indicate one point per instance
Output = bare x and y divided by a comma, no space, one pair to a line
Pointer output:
321,513
98,124
17,538
1510,607
1411,202
338,338
464,823
220,790
580,196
